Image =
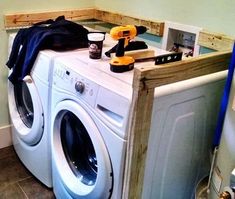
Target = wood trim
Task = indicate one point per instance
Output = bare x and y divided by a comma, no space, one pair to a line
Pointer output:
215,41
27,19
137,144
159,75
145,80
154,27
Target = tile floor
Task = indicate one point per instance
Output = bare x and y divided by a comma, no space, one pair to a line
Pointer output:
16,182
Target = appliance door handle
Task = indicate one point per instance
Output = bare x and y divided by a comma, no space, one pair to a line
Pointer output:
28,79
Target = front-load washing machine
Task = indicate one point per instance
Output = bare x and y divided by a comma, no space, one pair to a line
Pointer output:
29,103
89,128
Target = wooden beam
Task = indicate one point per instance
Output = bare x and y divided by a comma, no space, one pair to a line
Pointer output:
27,19
158,75
154,27
138,143
145,80
207,39
215,41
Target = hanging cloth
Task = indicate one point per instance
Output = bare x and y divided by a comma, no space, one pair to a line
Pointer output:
59,34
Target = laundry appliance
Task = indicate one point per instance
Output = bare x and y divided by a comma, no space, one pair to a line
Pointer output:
29,107
91,111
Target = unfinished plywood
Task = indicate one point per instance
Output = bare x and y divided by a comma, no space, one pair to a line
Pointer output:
145,80
27,19
215,41
154,27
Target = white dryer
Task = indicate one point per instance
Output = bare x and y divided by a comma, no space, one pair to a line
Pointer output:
29,107
29,111
90,122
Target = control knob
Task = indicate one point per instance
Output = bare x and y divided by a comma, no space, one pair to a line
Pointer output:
79,86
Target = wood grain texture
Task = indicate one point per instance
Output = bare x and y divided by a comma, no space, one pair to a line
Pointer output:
215,41
27,19
154,27
159,75
145,80
137,145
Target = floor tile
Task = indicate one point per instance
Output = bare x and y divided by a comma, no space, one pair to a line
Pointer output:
12,170
16,182
35,190
6,152
12,191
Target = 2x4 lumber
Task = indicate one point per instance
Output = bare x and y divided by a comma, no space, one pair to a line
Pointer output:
158,75
138,143
215,41
27,19
145,80
154,27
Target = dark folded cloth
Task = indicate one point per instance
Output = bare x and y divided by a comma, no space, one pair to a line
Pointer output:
60,34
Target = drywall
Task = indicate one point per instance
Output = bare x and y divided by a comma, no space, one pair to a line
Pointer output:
217,16
14,6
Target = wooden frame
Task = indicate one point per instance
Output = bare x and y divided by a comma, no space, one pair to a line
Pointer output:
207,39
215,41
14,21
145,80
154,27
27,19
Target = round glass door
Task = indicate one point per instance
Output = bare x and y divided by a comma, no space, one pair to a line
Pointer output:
78,149
24,104
26,112
80,157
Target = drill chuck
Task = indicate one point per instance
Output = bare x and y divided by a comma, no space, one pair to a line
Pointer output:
140,29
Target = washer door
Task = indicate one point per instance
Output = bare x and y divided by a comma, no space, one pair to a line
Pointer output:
26,111
79,153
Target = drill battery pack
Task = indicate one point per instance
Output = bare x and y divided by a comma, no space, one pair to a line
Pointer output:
122,64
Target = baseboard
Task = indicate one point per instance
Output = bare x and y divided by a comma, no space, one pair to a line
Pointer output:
5,136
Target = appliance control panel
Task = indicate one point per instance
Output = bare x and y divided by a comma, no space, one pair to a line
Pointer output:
71,82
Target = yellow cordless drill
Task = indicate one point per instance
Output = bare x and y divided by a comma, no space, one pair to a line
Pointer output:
121,63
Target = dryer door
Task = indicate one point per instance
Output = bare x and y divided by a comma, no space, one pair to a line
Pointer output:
79,153
26,111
